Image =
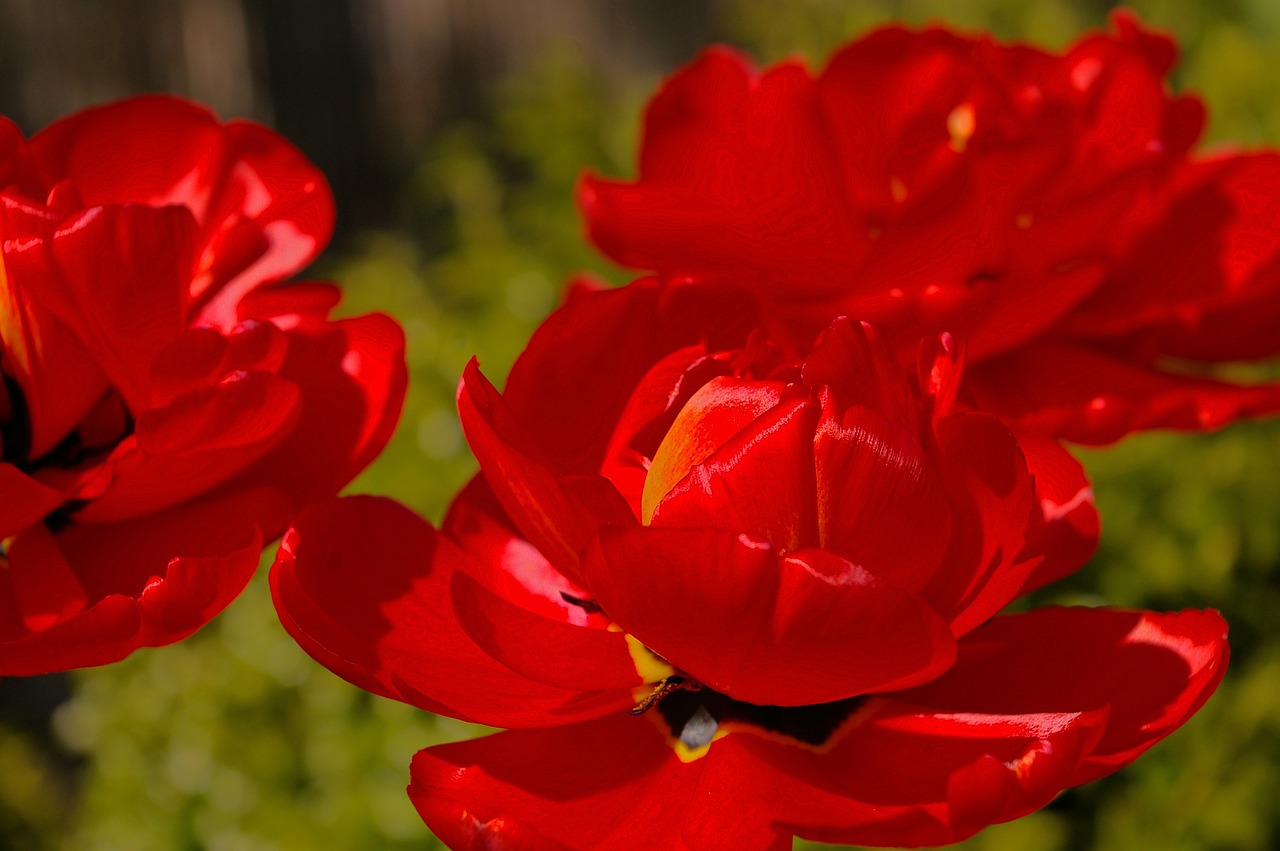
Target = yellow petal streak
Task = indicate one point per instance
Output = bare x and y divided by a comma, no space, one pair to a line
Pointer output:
720,409
960,124
651,667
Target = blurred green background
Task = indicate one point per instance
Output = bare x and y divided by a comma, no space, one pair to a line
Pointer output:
465,231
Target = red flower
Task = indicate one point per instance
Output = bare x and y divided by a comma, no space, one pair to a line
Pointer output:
729,595
1044,207
165,405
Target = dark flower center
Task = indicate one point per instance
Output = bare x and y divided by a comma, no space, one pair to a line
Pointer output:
104,426
15,430
694,716
694,712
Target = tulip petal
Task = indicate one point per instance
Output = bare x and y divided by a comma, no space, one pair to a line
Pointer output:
1152,671
559,516
893,776
629,328
993,497
1096,397
59,378
23,500
395,632
718,466
193,444
351,378
1065,530
118,277
881,503
896,775
1212,253
762,627
507,564
44,596
549,651
607,784
202,356
263,210
737,183
141,583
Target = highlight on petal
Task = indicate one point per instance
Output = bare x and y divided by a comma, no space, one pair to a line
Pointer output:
264,212
718,465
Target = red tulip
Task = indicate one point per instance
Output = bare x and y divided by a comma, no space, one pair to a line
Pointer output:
1046,208
729,594
166,403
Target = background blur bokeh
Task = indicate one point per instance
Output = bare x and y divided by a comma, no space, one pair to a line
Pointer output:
453,132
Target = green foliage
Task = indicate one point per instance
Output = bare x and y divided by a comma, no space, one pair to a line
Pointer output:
236,741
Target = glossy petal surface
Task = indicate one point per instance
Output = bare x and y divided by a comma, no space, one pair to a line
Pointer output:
166,403
761,626
398,635
925,767
1029,202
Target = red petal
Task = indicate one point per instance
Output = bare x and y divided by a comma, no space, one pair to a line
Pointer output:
1065,530
1152,671
23,500
104,633
118,276
559,516
509,565
287,200
15,161
630,329
351,378
145,582
852,359
1085,395
44,590
551,651
737,183
603,784
1213,249
719,465
900,776
992,494
395,632
58,376
761,627
193,590
198,441
159,150
893,776
204,356
649,414
881,503
153,150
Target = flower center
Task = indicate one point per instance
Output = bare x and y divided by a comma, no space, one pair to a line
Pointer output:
695,716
